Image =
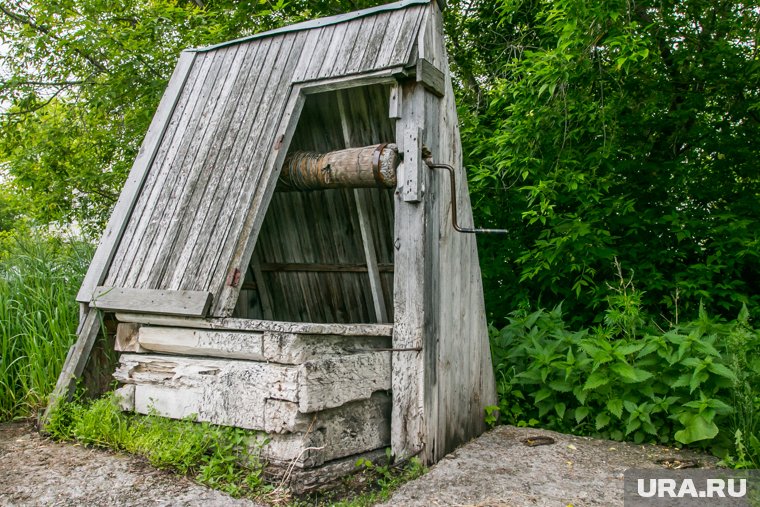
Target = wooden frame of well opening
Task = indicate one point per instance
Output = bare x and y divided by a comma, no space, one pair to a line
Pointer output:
339,321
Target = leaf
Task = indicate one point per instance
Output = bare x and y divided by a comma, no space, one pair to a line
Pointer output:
561,386
615,406
696,428
721,370
596,380
542,394
629,374
633,425
581,413
630,348
560,409
602,420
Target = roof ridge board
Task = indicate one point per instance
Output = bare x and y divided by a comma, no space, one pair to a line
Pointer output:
316,23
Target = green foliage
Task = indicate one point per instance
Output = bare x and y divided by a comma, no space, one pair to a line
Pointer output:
81,81
220,457
626,380
39,278
602,130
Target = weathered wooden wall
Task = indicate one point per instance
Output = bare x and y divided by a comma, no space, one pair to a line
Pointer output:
319,396
309,263
439,392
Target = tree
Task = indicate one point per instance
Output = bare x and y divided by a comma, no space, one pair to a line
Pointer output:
621,130
82,78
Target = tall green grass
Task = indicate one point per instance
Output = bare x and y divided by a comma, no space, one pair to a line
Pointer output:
39,278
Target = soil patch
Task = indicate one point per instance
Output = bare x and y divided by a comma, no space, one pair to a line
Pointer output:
520,467
37,471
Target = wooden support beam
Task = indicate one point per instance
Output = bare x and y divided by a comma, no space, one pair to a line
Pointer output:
264,296
187,303
375,282
75,362
301,267
233,324
431,77
410,283
281,348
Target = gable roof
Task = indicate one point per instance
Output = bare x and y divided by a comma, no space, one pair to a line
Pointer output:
201,183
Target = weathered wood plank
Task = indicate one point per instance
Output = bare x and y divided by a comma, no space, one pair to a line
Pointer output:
236,393
350,429
413,186
305,480
170,196
411,286
195,196
209,199
261,325
178,124
276,347
331,382
256,195
168,302
318,268
430,77
75,362
109,241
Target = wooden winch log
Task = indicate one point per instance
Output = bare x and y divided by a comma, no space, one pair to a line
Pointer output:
367,167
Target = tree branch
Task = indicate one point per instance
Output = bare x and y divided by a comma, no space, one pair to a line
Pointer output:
25,20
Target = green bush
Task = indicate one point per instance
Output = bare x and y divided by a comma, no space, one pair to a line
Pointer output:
39,278
694,383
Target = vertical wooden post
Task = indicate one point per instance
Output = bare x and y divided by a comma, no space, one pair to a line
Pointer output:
410,283
375,282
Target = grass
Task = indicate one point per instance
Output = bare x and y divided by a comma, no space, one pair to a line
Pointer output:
220,457
39,278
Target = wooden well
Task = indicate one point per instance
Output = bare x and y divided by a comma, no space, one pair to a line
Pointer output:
339,314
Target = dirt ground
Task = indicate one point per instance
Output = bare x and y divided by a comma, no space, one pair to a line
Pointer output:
499,470
496,470
35,471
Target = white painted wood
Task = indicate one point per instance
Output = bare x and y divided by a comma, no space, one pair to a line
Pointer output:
348,430
234,392
353,428
283,348
332,382
194,342
127,338
232,324
167,302
109,241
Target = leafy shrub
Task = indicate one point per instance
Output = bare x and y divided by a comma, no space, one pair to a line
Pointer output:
695,383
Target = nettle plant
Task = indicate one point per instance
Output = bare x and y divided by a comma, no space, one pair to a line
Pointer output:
620,380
